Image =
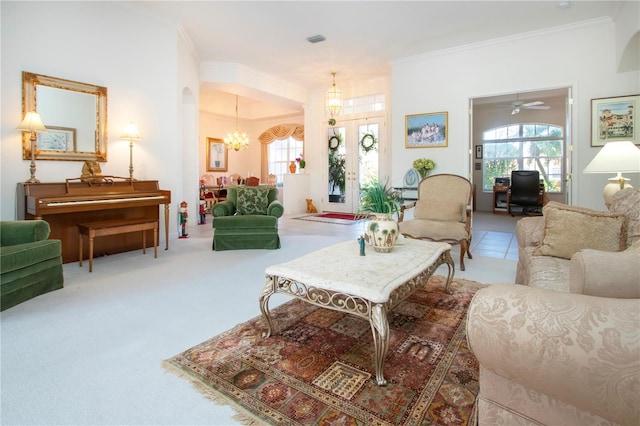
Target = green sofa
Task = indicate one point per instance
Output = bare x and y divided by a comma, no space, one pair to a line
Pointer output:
247,219
30,264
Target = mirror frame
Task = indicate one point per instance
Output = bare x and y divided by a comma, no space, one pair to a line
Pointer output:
30,83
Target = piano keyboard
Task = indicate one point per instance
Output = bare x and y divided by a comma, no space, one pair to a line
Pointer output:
100,201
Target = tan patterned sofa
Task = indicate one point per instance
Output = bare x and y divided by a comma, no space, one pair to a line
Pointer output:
564,348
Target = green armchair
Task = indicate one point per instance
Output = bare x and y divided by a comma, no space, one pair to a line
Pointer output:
30,264
247,219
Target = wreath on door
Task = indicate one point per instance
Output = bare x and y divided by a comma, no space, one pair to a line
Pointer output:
335,141
368,142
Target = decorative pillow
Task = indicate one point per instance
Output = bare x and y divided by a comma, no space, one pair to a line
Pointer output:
433,210
569,229
252,200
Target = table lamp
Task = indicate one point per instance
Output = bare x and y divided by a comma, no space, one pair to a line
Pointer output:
32,123
131,134
615,157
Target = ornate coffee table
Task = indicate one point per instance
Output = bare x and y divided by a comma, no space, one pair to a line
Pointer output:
338,278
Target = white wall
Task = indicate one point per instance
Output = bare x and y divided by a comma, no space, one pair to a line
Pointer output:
108,44
445,81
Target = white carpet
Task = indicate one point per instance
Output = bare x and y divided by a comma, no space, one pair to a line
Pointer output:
91,353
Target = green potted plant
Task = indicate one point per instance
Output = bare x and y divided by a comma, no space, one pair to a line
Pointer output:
376,197
382,202
337,175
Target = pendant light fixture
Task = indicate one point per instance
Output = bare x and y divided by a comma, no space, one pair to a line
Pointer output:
334,98
235,140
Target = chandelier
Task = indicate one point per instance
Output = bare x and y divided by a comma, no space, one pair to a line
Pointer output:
334,98
235,140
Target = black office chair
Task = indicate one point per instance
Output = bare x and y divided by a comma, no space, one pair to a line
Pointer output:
525,190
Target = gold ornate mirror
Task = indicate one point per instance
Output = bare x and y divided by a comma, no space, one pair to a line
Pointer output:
75,115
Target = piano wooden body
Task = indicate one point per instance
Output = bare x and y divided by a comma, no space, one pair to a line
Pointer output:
64,205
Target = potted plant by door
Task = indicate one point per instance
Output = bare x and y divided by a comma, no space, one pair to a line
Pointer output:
337,176
381,202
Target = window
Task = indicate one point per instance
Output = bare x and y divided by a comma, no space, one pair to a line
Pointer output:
367,103
523,147
281,153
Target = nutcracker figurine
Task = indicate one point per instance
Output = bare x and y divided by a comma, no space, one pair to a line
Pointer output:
202,210
184,219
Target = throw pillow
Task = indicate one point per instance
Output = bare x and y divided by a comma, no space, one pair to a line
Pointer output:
569,229
432,210
252,200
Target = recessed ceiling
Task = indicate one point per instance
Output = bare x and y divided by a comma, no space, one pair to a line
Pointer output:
363,38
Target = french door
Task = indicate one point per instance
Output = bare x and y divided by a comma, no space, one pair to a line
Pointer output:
353,160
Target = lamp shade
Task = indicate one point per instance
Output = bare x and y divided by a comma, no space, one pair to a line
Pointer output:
131,133
32,123
616,157
333,100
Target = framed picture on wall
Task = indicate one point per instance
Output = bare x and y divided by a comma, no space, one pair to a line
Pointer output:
57,139
217,155
426,130
613,119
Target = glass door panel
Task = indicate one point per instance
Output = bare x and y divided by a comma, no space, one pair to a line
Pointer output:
353,160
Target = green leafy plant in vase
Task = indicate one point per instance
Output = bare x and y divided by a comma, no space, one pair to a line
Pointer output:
382,202
424,166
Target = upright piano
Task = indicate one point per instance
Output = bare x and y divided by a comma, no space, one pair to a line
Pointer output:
66,204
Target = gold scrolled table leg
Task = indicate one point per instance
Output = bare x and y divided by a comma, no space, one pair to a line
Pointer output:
267,291
380,330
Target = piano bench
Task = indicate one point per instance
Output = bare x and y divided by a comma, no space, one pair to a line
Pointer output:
114,227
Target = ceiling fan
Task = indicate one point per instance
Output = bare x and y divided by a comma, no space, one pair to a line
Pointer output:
516,106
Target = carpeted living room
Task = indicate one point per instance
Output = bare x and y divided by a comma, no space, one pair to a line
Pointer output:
95,352
531,317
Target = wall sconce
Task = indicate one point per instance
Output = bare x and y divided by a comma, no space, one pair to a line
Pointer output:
32,123
333,100
615,157
131,134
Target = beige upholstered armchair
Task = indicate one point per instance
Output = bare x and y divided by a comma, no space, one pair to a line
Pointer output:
442,212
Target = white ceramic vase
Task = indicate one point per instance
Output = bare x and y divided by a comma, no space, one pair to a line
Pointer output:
381,232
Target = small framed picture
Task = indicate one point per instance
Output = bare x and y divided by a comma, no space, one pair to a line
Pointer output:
478,152
613,119
57,139
426,130
217,155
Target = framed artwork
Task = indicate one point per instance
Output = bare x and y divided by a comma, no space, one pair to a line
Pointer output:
217,155
426,130
57,139
613,119
478,152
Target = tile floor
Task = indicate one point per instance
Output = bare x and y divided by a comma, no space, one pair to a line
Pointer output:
493,234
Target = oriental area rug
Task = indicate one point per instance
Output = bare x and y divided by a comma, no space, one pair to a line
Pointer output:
318,368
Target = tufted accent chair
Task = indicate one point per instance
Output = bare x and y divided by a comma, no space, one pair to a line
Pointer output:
247,219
